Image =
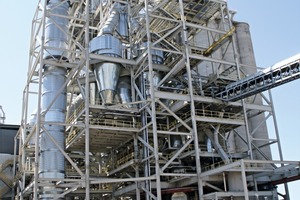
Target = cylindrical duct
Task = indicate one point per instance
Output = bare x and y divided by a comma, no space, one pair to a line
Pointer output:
124,89
123,26
111,23
52,163
157,76
157,58
52,160
56,29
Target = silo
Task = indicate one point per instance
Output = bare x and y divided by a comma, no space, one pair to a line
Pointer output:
257,123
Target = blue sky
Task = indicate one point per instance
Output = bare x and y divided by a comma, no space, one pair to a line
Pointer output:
275,34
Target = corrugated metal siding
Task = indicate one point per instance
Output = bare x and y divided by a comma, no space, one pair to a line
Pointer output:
7,134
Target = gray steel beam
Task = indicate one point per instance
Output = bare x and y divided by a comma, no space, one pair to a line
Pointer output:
191,95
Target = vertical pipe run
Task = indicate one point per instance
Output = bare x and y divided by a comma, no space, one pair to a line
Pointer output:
124,90
193,114
52,163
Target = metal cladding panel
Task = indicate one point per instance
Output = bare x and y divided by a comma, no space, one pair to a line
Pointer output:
7,134
106,45
51,159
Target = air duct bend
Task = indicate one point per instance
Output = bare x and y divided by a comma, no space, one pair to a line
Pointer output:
111,23
107,73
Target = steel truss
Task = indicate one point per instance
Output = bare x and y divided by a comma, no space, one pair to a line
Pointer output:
125,150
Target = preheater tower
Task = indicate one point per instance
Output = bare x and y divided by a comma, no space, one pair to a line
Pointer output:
128,108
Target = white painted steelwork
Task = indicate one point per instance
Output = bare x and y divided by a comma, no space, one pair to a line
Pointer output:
148,137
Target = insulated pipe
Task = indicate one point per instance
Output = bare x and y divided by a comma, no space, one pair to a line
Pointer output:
157,58
111,23
124,89
56,28
52,164
123,26
218,146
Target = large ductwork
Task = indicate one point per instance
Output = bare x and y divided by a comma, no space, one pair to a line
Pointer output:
32,122
107,73
124,89
157,58
56,28
52,163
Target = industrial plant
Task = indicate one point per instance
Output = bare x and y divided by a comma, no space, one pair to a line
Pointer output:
145,99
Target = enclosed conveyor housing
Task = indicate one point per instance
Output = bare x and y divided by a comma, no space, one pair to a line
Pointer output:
278,74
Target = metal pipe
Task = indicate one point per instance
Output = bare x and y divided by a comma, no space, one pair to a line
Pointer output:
124,90
52,163
56,28
111,23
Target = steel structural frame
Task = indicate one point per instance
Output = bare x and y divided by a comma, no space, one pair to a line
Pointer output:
150,105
